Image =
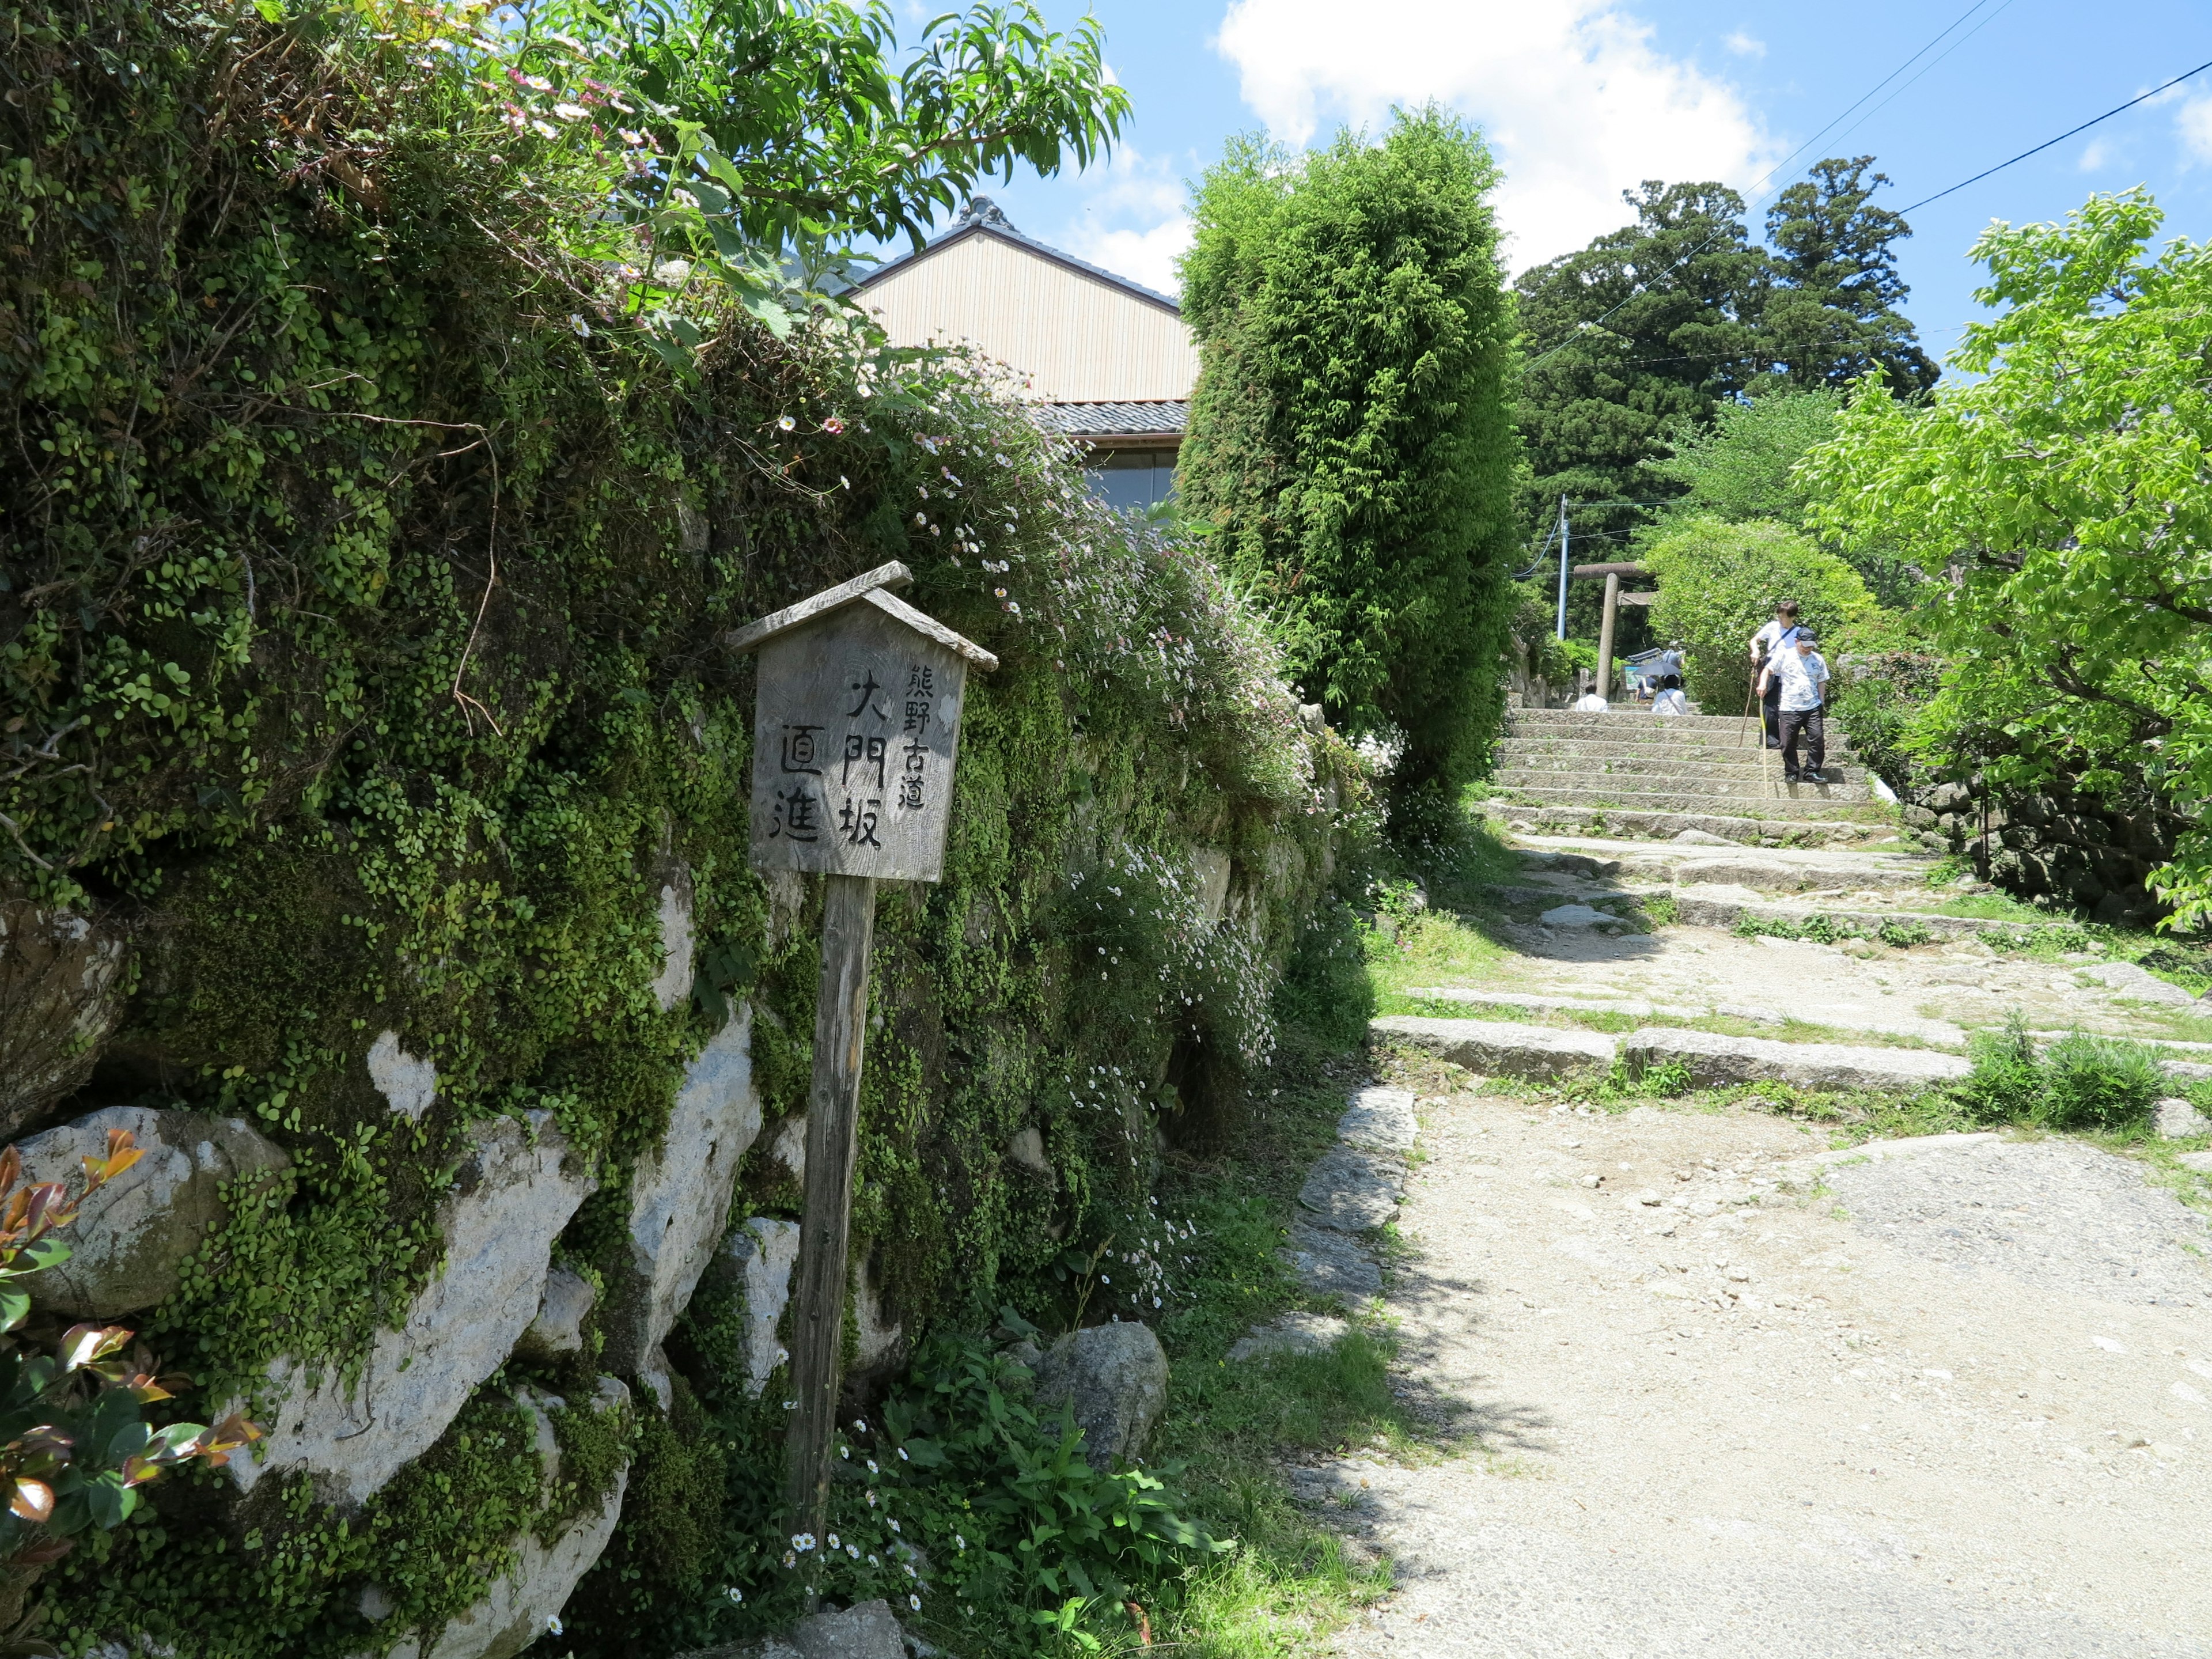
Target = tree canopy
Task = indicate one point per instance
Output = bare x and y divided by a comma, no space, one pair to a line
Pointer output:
1350,438
2064,489
1639,341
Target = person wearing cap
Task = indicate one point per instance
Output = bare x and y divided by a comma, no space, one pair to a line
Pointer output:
1764,644
1799,677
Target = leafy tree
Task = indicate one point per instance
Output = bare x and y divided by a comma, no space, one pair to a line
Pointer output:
1741,468
1350,438
1630,339
1718,582
2064,489
1832,315
1643,340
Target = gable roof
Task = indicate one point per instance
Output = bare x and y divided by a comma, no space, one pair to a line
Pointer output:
982,217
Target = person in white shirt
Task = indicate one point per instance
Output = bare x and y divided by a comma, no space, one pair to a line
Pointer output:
1799,678
1670,700
1591,703
1764,644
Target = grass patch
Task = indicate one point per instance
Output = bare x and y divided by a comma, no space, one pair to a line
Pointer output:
1992,906
1431,947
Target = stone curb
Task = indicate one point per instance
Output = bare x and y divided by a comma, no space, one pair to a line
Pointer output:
1356,1184
1499,1048
1715,1061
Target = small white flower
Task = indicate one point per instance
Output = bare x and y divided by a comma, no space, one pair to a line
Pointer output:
914,1602
853,1550
845,1452
873,1469
903,1458
734,1593
785,423
894,1522
873,1562
570,112
552,1623
834,1544
958,1539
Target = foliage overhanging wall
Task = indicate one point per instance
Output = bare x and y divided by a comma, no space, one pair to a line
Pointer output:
358,667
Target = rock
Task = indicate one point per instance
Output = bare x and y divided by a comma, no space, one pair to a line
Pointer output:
1379,1120
673,988
760,1253
518,1608
876,1348
1026,1149
789,1146
1349,1189
1116,1377
1330,1263
131,1238
1577,915
1715,1061
1701,838
561,1311
58,1005
2178,1120
1648,1196
2200,1162
511,1198
1292,1332
408,1084
1739,872
2138,984
1499,1047
868,1630
1213,869
680,1195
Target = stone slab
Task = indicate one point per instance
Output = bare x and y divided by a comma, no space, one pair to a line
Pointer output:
1499,1047
2138,984
1349,1189
1380,1120
1291,1332
1717,1062
1330,1263
2176,1119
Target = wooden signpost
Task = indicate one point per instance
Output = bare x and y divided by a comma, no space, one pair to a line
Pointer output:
856,728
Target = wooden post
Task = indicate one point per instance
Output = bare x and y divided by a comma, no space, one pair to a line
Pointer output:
833,1122
1605,635
856,729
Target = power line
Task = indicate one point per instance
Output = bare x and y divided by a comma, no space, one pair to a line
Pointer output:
2060,139
1939,57
1640,286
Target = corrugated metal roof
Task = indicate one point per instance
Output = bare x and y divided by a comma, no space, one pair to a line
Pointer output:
1115,420
983,217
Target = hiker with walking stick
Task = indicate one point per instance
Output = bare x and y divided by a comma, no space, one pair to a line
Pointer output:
1799,677
1771,639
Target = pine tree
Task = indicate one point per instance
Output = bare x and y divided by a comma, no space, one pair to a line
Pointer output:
1351,434
1832,314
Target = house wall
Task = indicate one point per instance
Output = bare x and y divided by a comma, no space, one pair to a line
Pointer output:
1079,339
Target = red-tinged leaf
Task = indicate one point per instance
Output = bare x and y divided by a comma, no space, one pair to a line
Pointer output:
42,1554
122,1153
11,1168
143,1388
82,1344
32,1501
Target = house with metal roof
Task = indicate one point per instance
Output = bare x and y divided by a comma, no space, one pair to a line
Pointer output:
1110,363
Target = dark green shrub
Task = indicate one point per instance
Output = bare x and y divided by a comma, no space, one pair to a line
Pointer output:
2099,1083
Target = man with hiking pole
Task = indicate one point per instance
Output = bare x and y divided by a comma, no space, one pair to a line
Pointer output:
1799,677
1770,640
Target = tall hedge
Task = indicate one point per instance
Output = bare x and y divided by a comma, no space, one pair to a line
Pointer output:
1351,438
364,569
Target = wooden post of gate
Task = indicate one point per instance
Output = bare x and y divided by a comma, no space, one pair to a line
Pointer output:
856,728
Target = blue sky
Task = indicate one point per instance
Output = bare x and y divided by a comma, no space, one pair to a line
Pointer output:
1582,99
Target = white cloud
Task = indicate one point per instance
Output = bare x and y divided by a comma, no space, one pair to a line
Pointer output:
2193,124
1133,220
2096,158
1744,46
1575,100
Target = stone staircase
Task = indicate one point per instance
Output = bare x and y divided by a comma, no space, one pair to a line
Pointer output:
1630,774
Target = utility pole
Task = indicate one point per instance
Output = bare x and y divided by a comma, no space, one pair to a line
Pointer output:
1563,566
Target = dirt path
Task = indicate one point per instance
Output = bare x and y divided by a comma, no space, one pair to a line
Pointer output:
1953,1401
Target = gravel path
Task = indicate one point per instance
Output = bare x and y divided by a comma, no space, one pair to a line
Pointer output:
1953,1402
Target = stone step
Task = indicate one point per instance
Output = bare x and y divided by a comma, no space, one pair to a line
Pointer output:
1747,784
1715,1061
1847,1017
1741,741
1657,758
1764,872
1581,823
1804,800
1523,721
1501,1048
1722,906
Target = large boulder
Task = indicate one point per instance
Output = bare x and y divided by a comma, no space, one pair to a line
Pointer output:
680,1195
1115,1376
521,1605
58,1003
510,1200
129,1240
563,1308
